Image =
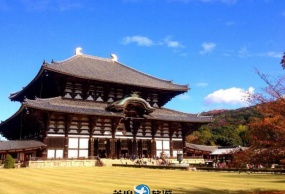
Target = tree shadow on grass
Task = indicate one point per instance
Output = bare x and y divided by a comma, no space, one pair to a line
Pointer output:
224,191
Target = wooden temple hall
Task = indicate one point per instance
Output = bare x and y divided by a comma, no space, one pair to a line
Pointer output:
88,106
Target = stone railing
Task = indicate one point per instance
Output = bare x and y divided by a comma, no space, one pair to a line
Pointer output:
62,163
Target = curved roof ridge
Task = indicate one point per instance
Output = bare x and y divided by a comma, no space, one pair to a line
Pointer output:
119,63
82,55
46,99
103,69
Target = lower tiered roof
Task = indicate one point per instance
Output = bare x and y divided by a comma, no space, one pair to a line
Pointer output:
59,104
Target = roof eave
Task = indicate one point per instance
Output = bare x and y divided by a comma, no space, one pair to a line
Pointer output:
180,88
18,94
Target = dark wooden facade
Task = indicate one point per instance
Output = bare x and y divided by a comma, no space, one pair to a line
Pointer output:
87,106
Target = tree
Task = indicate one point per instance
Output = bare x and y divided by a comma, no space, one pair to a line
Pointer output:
9,161
203,136
267,134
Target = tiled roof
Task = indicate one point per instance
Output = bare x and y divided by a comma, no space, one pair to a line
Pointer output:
20,145
101,69
172,115
228,150
201,147
216,150
60,104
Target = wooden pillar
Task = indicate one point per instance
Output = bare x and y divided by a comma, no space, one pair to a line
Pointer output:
118,150
171,147
65,149
91,147
92,124
68,120
140,143
153,147
46,121
135,146
96,147
113,148
45,141
108,150
154,128
134,125
130,147
172,127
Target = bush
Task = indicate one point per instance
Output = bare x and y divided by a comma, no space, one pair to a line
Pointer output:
9,161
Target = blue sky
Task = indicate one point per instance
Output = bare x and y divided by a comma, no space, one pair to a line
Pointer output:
212,45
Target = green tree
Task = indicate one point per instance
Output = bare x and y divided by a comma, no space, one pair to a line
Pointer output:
203,136
9,161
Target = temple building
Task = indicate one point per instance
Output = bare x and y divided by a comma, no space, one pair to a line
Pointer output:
87,106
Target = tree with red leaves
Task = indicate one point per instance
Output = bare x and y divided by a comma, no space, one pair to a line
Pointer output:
267,134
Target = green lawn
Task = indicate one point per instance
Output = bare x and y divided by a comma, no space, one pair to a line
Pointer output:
107,179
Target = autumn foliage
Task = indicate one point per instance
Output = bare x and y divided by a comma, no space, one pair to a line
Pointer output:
267,134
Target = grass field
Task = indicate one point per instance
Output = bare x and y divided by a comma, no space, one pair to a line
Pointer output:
97,180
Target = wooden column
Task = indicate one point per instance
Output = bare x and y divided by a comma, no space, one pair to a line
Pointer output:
172,127
118,146
46,121
96,147
92,124
45,141
113,148
153,147
65,149
135,146
154,128
108,150
140,148
68,120
115,124
91,147
134,125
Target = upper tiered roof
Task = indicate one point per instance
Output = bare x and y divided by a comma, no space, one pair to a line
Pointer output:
108,70
102,70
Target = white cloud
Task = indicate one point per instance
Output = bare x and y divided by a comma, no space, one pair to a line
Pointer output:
231,96
202,84
243,52
207,47
273,54
171,43
145,41
140,40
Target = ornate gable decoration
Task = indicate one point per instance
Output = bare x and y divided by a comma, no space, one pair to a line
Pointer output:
132,106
